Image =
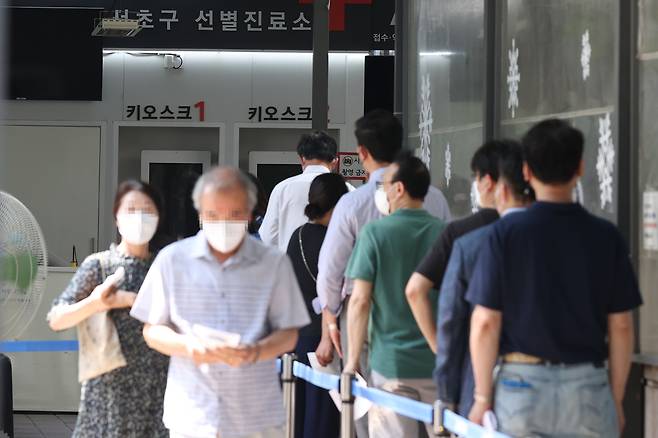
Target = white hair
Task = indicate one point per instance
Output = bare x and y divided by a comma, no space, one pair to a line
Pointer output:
224,178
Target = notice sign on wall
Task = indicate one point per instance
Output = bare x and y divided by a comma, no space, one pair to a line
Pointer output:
350,168
273,113
650,221
196,112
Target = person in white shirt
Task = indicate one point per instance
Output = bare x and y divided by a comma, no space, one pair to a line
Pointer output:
318,153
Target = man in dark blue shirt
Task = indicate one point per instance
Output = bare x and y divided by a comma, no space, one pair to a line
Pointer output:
454,373
553,291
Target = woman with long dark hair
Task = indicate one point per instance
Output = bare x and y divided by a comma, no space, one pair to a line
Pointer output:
316,416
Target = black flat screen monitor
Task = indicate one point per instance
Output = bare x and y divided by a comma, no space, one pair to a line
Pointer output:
270,175
175,182
52,55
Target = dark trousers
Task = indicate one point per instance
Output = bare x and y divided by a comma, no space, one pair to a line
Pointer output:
316,415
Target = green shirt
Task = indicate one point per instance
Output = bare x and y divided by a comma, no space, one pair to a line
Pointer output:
386,253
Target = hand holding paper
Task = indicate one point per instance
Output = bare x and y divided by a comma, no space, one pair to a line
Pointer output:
361,405
208,345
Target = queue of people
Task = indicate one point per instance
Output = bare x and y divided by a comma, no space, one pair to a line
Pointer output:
522,309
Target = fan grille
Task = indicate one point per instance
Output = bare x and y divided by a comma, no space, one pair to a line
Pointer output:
23,266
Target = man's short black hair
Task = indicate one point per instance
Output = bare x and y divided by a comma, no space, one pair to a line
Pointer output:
553,150
486,160
511,172
317,145
413,174
380,132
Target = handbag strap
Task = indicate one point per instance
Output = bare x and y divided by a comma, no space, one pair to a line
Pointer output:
301,249
103,262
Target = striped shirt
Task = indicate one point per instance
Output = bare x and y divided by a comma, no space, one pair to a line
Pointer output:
254,293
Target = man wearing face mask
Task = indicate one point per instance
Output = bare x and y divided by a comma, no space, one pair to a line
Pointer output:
385,255
379,137
429,273
223,280
454,371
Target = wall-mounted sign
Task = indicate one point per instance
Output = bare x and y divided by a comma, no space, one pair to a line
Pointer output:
350,168
196,111
276,113
355,25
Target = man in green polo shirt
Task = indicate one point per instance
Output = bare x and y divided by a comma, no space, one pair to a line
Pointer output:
386,253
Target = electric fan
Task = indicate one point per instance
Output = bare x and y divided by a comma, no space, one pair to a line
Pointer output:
23,266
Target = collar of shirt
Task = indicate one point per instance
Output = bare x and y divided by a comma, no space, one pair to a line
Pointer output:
513,210
409,212
377,175
316,168
247,251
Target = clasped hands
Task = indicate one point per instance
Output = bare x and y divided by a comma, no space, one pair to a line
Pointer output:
209,352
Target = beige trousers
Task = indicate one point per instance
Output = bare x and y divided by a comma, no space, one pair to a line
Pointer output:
384,423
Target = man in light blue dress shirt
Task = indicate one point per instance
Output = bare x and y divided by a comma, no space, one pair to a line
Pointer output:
379,137
222,280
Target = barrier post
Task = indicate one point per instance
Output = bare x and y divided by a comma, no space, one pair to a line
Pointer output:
347,406
438,426
288,380
6,398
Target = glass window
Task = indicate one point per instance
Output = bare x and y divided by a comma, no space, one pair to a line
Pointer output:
560,59
648,24
445,91
648,175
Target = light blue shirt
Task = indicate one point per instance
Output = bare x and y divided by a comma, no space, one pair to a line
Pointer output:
353,212
254,293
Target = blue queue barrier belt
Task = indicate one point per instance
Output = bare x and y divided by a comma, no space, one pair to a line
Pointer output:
323,380
463,427
38,346
401,405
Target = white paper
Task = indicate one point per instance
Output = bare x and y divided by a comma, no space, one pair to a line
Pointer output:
209,334
489,420
361,405
117,278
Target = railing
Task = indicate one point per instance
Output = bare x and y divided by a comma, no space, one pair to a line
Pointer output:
444,421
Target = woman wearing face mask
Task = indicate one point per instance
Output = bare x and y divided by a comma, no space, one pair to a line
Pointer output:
316,414
126,398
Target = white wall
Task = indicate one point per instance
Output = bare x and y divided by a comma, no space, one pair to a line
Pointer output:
54,171
229,83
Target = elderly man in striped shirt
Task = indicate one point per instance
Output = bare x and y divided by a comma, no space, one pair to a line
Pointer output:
226,283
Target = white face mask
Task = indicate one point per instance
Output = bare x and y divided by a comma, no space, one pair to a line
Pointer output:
475,197
381,201
225,236
137,228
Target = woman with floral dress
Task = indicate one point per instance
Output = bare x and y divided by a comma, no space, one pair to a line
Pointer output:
126,401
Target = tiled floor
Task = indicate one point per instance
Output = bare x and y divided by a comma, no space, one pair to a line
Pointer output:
44,425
